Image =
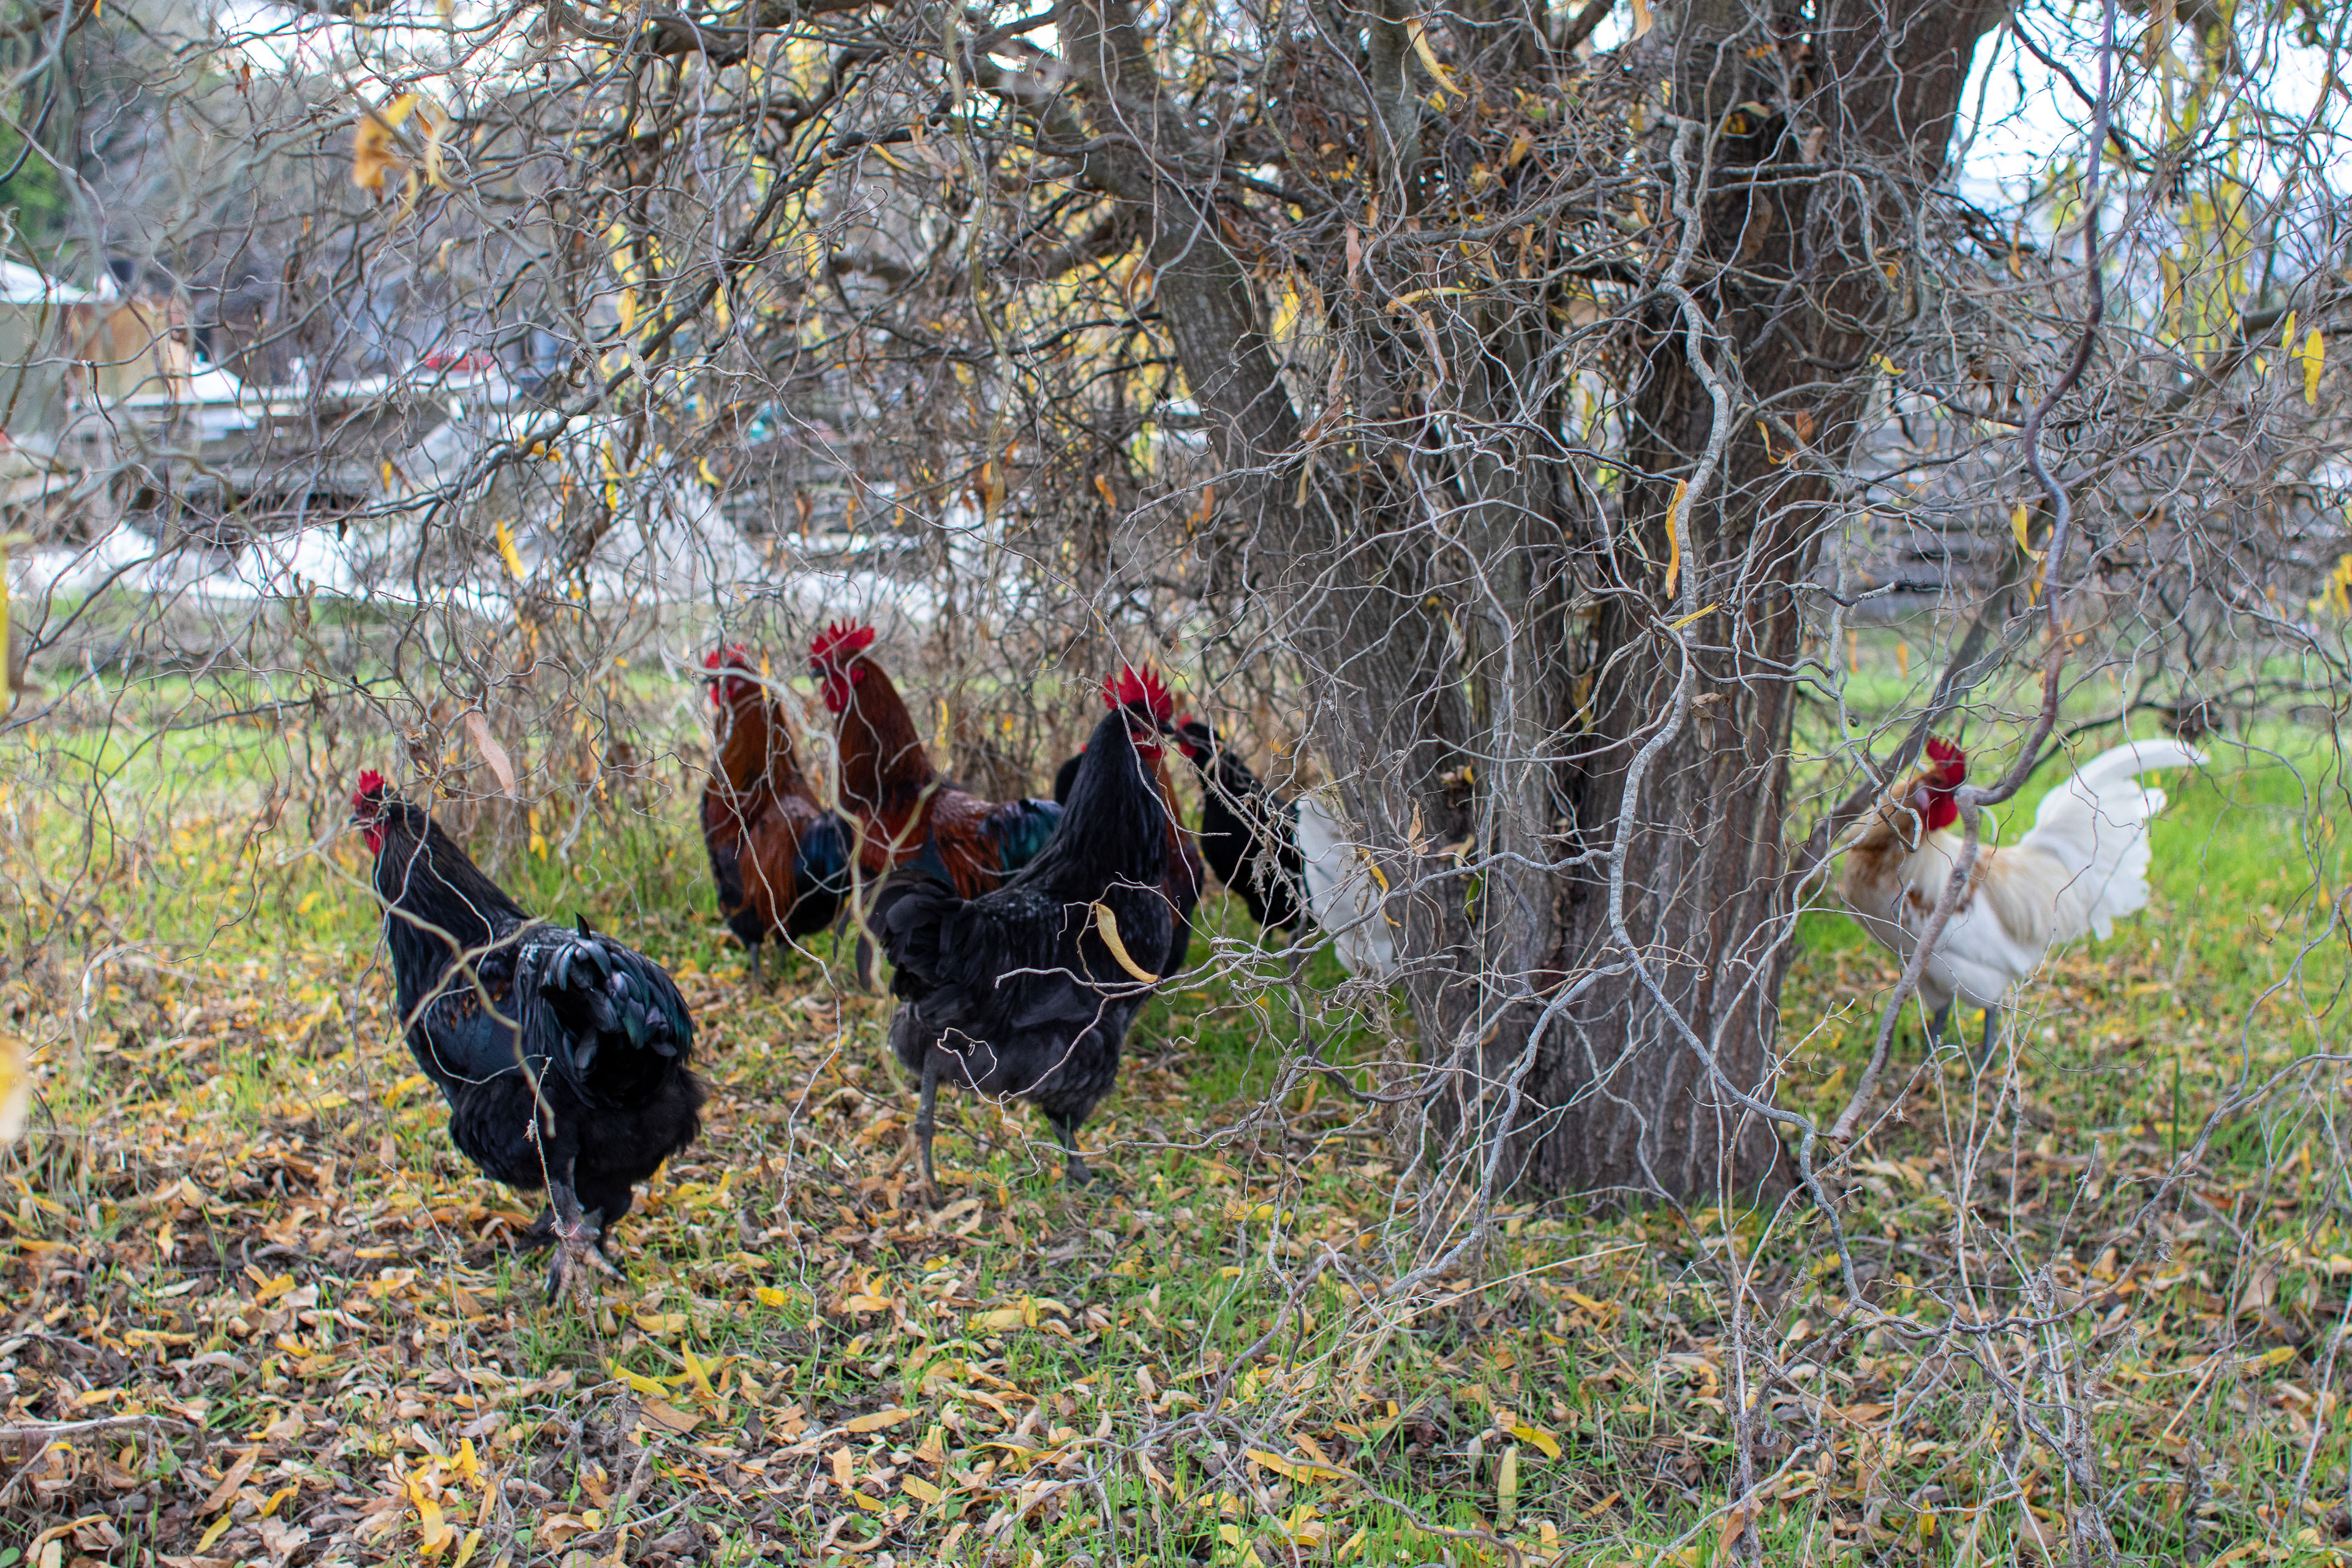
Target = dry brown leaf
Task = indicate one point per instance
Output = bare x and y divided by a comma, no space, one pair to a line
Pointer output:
492,752
877,1420
231,1483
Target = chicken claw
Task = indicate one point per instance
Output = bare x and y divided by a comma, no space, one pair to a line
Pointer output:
579,1255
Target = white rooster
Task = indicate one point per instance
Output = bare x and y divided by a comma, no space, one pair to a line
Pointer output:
1343,892
2082,867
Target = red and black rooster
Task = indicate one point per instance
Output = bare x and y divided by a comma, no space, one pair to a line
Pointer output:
779,859
898,798
564,1055
1028,990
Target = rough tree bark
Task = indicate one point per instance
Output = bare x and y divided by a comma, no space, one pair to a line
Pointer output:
1646,751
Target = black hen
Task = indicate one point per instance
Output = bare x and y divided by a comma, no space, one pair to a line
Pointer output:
1022,992
564,1055
1249,839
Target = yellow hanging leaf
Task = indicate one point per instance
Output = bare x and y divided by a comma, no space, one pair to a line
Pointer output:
1429,60
1675,536
2314,357
376,150
436,122
1106,924
507,551
1102,489
1643,19
2287,338
2020,522
627,307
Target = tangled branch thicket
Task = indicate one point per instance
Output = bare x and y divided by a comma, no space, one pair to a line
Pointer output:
1594,448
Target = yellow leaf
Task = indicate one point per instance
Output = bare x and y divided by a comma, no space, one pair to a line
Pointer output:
2315,358
997,1321
661,1322
219,1529
919,1490
1294,1469
277,1498
435,1535
2287,338
628,307
1540,1438
1693,618
437,125
1675,536
864,1303
696,1370
769,1296
272,1290
1643,20
507,551
473,1537
2019,521
875,1421
1102,489
414,1080
637,1382
1106,925
16,1085
1429,60
375,151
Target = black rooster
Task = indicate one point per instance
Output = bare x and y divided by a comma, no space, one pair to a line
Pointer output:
1028,990
564,1055
1249,839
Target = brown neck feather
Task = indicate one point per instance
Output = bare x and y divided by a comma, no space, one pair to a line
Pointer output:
758,745
882,754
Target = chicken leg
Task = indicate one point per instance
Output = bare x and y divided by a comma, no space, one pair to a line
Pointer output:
925,1125
579,1242
1991,1037
1074,1164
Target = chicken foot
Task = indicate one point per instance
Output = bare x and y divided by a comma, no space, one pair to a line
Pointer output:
579,1243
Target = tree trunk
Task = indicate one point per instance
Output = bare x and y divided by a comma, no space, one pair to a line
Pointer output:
1592,714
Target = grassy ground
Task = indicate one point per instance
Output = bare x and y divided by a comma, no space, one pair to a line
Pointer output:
256,1311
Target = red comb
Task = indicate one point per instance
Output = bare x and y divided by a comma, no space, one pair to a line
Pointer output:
840,640
371,782
1143,686
734,656
1953,763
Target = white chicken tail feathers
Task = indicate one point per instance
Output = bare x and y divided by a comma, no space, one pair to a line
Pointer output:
2126,761
2094,827
1342,893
